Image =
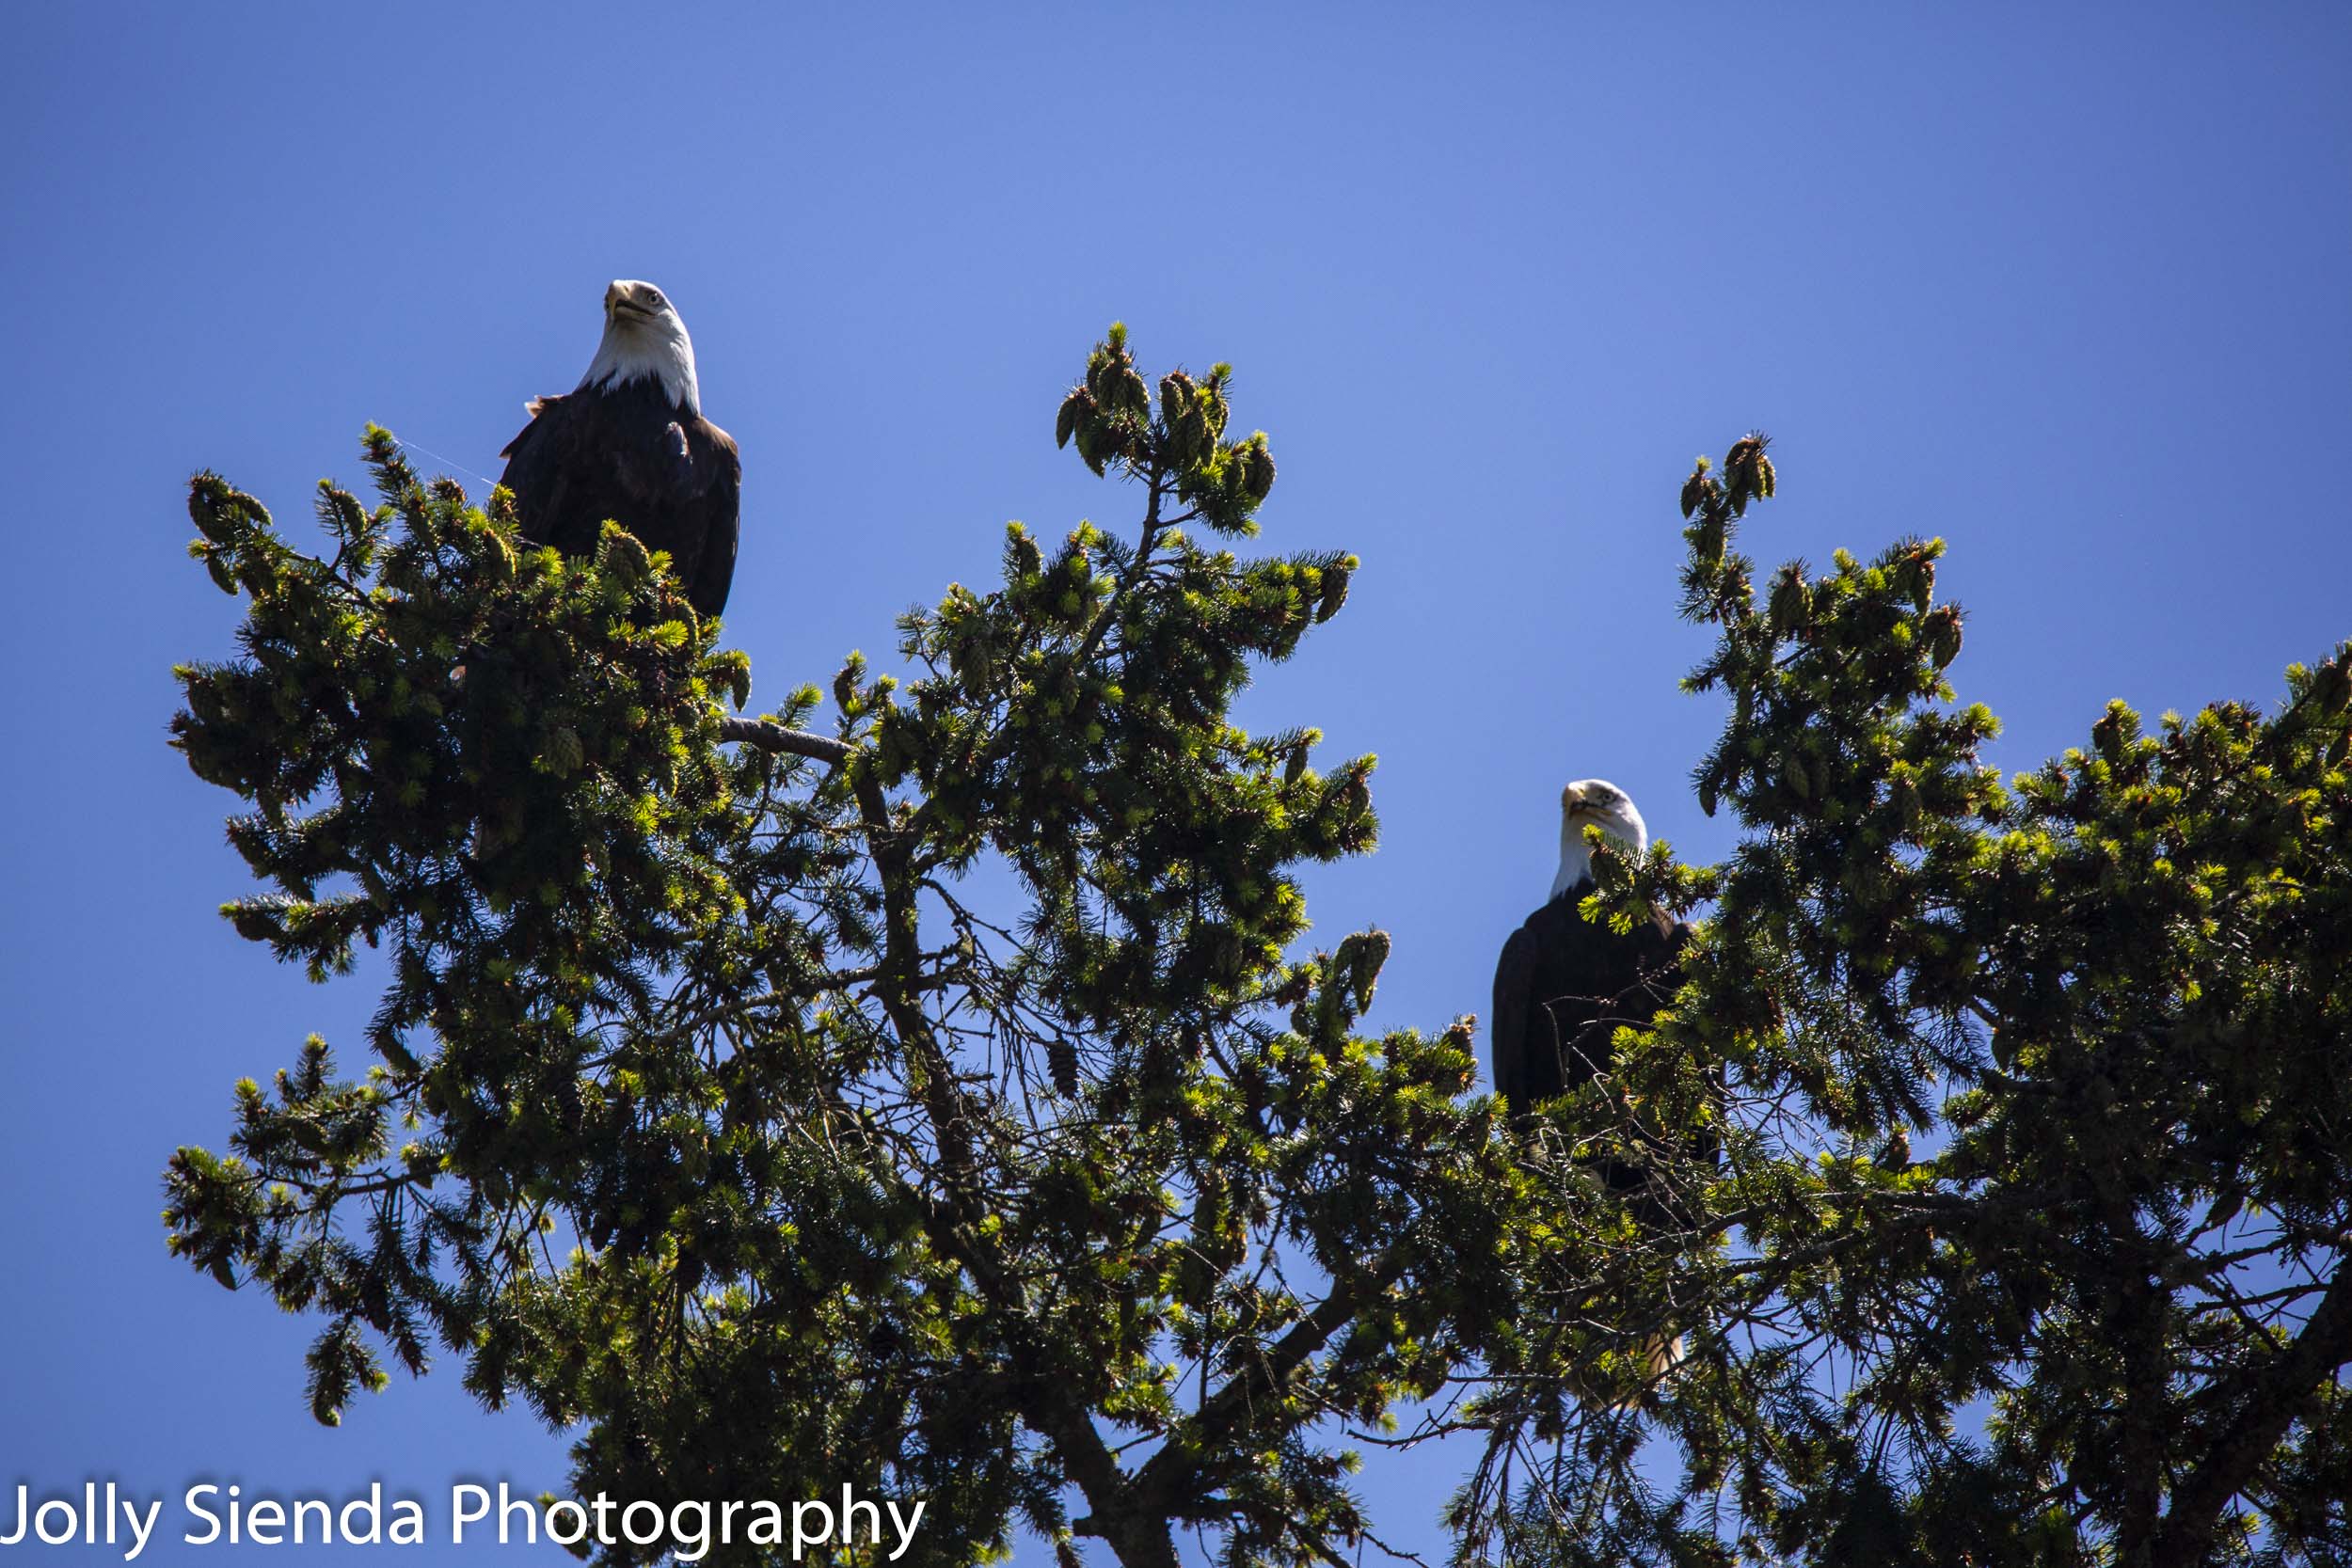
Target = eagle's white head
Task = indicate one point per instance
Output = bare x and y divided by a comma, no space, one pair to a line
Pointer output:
643,339
1598,803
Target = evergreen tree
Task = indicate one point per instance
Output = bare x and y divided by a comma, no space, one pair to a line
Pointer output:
712,1105
938,1104
2033,1239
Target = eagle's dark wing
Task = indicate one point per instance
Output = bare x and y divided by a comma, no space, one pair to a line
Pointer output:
1516,1010
540,461
671,478
1632,975
1562,988
719,468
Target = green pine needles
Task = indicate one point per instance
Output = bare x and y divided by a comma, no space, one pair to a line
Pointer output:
936,1105
2032,1239
713,1105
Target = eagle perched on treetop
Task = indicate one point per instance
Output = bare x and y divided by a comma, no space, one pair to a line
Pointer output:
1563,983
1563,987
629,445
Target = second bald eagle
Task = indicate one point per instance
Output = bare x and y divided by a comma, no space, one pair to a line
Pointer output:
630,444
1563,987
1565,983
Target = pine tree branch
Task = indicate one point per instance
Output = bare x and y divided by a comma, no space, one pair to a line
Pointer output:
1136,568
769,735
1138,1535
2286,1388
1266,1378
1137,1532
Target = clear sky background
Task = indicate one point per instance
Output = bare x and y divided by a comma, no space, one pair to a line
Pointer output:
2069,286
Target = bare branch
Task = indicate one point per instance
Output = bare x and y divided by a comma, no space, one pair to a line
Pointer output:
769,735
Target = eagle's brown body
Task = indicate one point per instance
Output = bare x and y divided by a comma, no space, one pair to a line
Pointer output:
629,453
1564,986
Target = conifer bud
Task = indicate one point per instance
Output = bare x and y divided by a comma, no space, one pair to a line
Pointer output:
1792,769
1706,539
1747,472
564,753
1305,982
1459,1038
2331,688
1334,593
1791,608
1919,578
2118,728
1698,488
619,553
1257,464
1363,975
1943,635
1175,396
1027,559
1213,407
1091,445
1234,477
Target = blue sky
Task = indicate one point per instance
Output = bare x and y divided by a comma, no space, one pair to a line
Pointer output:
2065,285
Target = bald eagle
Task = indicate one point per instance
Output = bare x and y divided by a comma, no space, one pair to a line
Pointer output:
1565,983
1563,987
630,444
